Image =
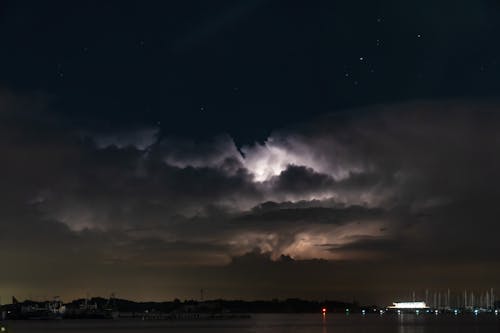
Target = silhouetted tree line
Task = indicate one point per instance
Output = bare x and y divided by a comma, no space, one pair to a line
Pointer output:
291,305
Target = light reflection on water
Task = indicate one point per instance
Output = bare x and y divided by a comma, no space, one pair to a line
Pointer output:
277,323
410,323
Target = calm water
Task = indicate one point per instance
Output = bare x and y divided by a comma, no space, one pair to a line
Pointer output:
276,323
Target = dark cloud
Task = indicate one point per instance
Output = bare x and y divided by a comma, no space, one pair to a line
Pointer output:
354,197
272,213
299,178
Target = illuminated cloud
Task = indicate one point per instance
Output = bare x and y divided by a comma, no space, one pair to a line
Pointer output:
381,187
271,159
262,161
221,152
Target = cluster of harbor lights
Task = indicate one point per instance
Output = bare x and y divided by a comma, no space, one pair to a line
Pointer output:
441,303
447,302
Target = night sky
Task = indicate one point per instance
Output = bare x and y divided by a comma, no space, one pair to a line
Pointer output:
257,149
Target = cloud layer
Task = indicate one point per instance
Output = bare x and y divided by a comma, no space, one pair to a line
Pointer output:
366,190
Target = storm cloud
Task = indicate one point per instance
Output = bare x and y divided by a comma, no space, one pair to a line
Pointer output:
340,195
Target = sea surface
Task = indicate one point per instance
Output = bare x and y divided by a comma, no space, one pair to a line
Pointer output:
276,323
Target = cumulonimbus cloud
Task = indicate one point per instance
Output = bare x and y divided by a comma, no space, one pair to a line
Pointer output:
394,176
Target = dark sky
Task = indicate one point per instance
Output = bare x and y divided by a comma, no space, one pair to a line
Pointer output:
256,149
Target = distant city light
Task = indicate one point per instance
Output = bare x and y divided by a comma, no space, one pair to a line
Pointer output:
408,305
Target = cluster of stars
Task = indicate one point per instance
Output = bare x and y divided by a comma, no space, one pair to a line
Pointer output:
366,65
364,60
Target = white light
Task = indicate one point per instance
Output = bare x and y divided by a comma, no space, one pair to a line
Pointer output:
268,160
408,305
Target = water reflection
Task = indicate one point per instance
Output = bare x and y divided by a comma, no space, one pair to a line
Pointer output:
410,323
278,323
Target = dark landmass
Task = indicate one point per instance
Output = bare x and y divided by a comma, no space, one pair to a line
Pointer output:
238,306
98,307
110,308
